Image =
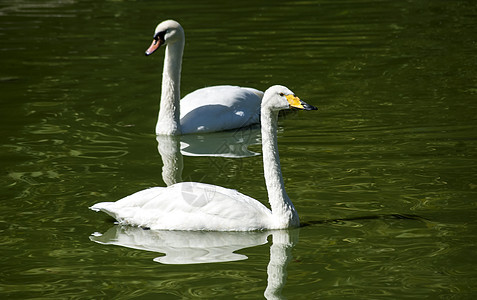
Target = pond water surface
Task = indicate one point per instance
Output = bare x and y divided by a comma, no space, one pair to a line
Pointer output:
383,175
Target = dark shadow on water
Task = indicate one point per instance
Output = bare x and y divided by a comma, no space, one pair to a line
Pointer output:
363,218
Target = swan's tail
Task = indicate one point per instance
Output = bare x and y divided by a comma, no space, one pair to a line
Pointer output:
106,207
123,215
95,207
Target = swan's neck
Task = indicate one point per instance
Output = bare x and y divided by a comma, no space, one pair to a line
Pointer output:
168,121
283,210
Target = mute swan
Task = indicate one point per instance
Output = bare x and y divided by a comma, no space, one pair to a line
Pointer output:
208,109
200,206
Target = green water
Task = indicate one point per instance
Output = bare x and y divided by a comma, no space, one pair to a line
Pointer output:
383,174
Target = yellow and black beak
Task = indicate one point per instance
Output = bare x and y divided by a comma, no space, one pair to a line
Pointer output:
295,102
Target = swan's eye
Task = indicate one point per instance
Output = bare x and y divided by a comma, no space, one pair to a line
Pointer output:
282,94
160,35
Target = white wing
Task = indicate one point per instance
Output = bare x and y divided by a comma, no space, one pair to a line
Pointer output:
189,206
220,108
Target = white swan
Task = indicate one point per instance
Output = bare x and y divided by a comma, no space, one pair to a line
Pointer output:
208,109
200,206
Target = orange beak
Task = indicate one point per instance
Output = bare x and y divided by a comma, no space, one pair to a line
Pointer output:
154,46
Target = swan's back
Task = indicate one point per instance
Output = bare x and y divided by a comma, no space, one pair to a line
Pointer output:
189,206
220,108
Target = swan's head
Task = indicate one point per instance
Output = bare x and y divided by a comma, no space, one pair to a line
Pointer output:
166,32
279,97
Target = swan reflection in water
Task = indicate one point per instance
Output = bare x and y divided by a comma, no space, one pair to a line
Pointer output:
229,144
194,247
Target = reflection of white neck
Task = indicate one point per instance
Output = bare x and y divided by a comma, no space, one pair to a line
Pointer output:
168,121
169,149
283,210
280,256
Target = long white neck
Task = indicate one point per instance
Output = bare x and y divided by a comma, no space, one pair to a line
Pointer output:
168,121
283,211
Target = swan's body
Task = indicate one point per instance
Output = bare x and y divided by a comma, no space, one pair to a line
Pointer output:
189,206
208,109
219,108
199,206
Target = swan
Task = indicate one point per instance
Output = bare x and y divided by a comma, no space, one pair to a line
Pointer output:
209,109
200,206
